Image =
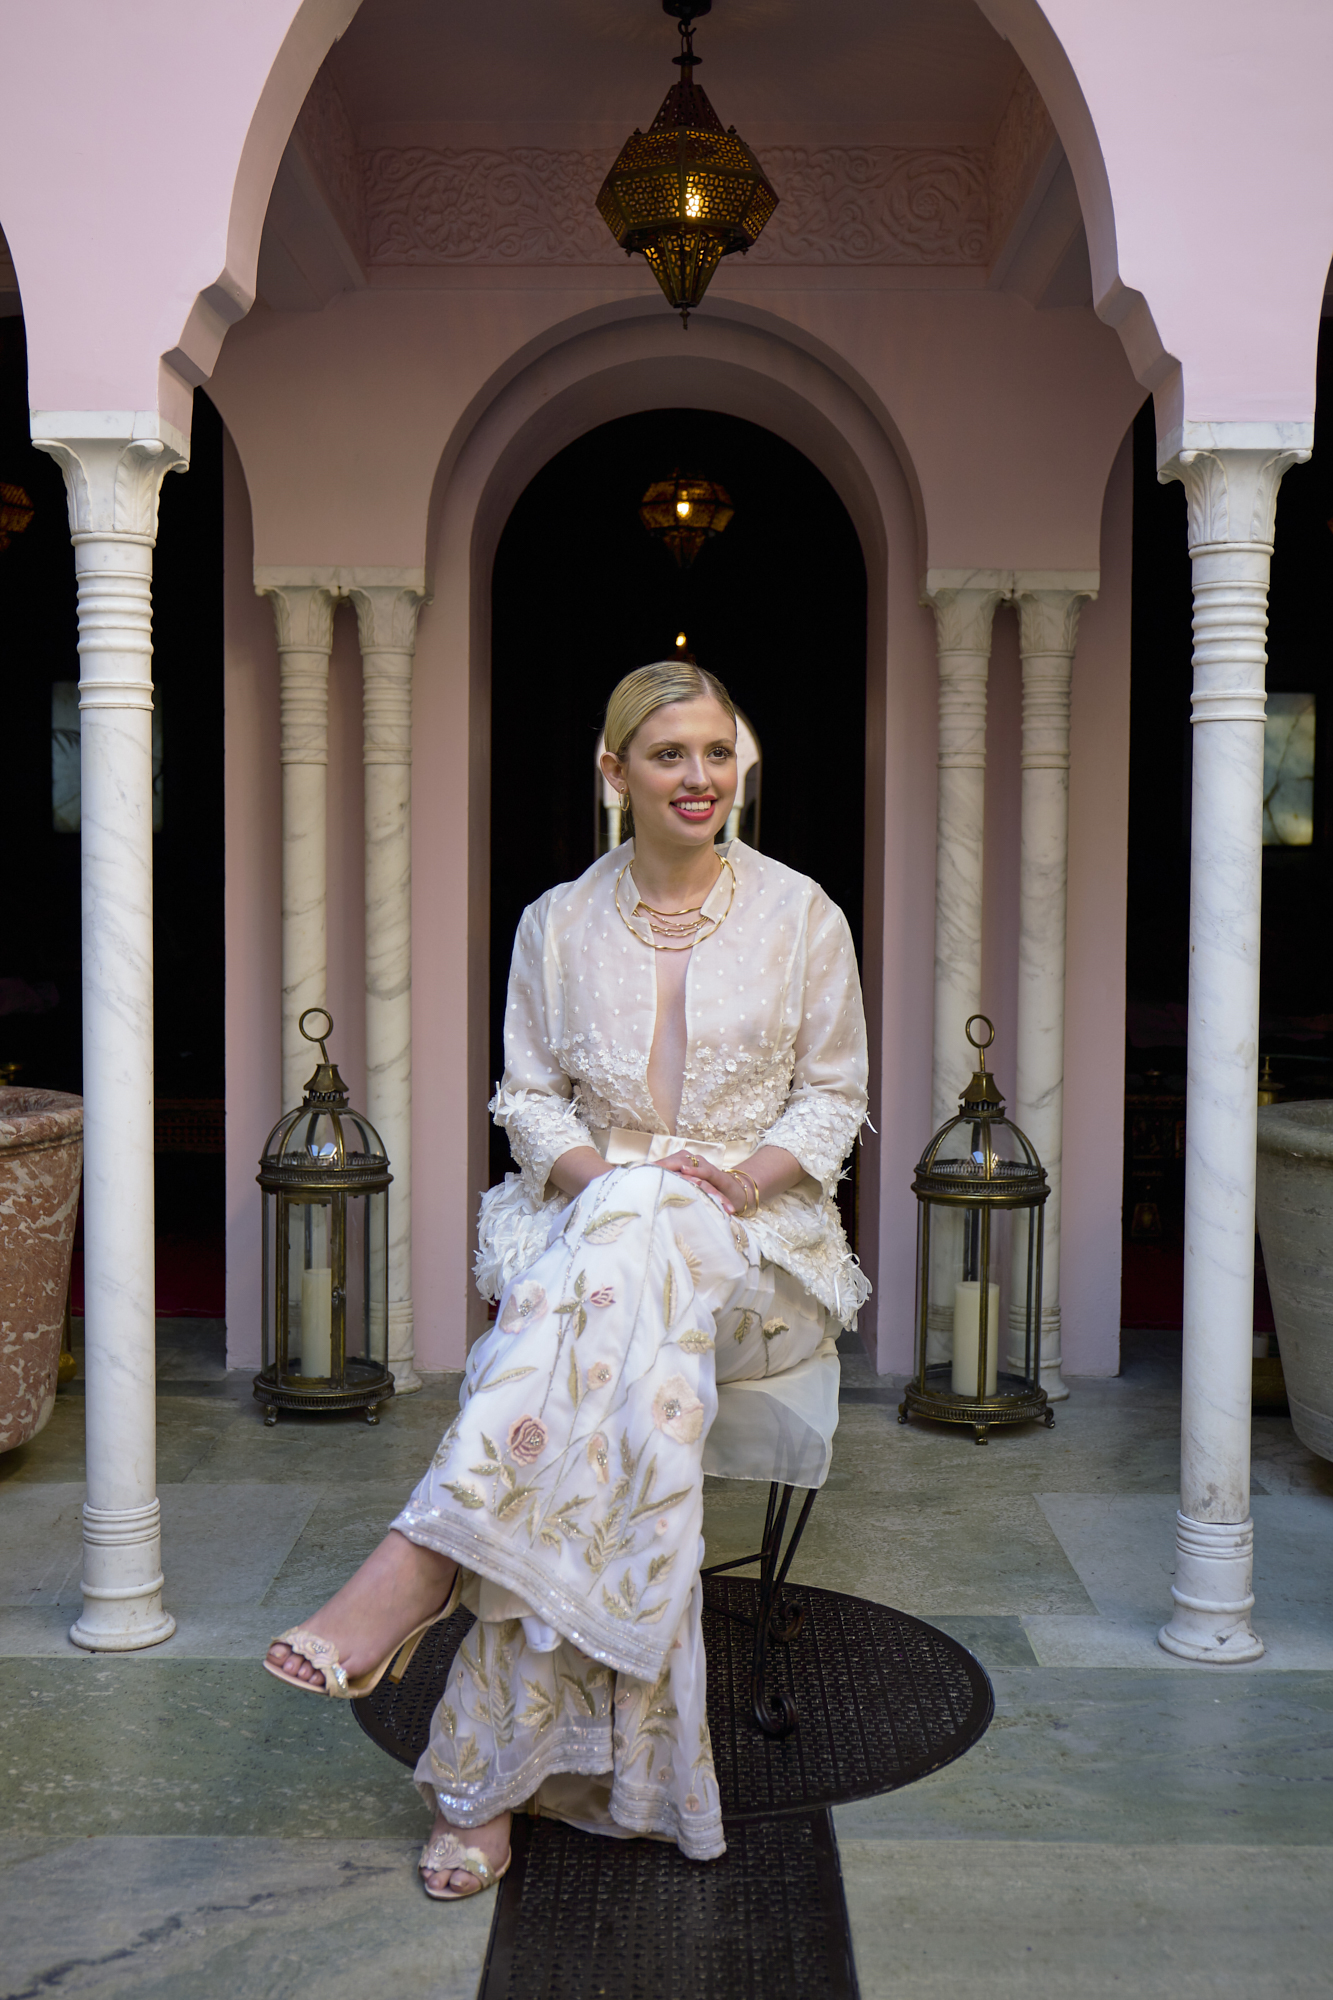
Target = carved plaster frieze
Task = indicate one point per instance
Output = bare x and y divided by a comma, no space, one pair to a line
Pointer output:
325,130
1022,141
431,205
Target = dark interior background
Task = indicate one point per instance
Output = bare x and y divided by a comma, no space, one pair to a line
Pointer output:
775,606
40,1000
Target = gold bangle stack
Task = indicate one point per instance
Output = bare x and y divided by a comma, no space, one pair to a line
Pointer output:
751,1187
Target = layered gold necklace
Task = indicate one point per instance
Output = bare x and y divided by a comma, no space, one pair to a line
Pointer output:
679,930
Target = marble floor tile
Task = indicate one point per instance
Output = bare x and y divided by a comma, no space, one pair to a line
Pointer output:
1081,1754
1123,1549
1087,1921
162,1918
161,1745
220,1544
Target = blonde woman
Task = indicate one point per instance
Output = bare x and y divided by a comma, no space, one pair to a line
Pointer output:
685,1074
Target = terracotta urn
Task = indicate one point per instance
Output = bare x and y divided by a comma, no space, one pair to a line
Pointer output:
41,1160
1295,1215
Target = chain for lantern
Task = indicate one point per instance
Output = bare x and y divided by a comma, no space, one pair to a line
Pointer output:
687,192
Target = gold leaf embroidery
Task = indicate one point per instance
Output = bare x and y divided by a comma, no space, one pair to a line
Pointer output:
696,1341
466,1496
507,1375
540,1711
693,1261
668,1297
607,1228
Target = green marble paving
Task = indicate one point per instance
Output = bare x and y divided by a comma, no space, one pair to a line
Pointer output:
1147,1830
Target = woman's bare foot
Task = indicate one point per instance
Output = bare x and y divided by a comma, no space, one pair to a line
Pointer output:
493,1841
393,1591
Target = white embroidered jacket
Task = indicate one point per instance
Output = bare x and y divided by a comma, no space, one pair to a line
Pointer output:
776,1055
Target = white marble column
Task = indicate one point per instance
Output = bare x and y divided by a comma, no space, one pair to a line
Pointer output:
303,612
1232,495
964,614
387,621
1047,635
113,482
964,606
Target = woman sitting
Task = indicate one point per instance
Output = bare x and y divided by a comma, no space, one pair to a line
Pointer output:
685,1073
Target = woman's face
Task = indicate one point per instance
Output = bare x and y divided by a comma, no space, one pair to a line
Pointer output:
681,771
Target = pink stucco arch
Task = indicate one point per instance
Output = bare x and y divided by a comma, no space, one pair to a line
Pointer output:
591,378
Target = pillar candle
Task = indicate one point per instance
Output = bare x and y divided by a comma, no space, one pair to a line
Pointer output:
967,1336
317,1323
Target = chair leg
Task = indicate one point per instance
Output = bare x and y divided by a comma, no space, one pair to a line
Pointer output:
776,1717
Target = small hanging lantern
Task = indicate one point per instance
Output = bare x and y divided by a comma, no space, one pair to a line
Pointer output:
981,1192
325,1178
684,513
16,511
686,193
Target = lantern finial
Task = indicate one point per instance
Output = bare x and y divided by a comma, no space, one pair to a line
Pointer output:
325,1086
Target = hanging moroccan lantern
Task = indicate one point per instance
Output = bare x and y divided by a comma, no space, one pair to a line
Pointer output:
684,513
686,193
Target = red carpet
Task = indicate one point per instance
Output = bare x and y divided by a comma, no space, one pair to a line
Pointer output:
1152,1287
191,1278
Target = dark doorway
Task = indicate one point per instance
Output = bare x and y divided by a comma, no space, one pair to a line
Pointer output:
1296,951
40,963
776,606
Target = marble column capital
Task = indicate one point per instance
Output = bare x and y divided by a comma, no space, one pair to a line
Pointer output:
113,481
1048,621
303,615
965,616
1231,491
386,615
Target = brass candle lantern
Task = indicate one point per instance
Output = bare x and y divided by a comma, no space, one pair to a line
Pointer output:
981,1194
325,1178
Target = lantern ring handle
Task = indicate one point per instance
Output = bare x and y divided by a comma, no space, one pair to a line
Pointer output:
967,1030
320,1039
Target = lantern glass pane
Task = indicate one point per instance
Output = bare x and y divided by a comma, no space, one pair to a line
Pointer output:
310,1250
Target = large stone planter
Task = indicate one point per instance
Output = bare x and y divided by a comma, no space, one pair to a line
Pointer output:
1295,1213
41,1160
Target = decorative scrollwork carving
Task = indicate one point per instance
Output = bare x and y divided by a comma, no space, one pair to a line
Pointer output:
429,205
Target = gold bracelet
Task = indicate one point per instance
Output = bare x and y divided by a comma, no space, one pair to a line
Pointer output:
751,1185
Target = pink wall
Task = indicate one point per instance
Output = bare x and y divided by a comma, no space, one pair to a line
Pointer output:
1095,958
253,806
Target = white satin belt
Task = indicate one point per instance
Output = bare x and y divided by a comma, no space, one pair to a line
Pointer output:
624,1148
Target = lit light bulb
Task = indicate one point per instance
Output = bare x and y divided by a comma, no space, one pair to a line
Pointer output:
683,509
680,638
694,204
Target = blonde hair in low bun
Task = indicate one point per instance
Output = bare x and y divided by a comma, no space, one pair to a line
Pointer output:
649,688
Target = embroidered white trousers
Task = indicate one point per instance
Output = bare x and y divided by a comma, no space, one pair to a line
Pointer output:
570,1489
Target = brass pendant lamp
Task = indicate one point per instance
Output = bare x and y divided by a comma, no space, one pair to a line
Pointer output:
683,513
686,193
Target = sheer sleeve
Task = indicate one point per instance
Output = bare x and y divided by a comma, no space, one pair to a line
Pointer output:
534,1104
827,1103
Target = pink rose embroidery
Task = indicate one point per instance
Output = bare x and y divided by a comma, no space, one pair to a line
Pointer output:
599,1374
527,1440
599,1459
692,1803
663,1525
605,1295
526,1303
677,1410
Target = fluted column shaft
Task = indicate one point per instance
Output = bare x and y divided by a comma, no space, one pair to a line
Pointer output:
1047,635
113,485
304,618
387,619
963,620
1232,495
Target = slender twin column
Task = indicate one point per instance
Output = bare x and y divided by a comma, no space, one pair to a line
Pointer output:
1047,634
387,622
304,617
964,616
386,619
1232,495
113,485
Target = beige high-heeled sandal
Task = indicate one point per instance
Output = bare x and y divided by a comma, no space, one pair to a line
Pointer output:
443,1853
322,1655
